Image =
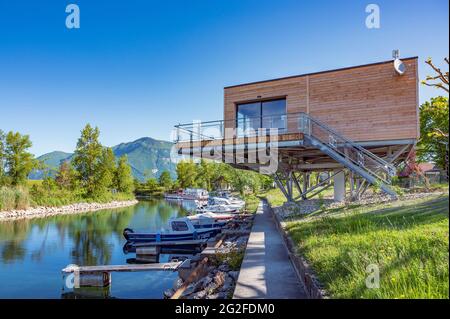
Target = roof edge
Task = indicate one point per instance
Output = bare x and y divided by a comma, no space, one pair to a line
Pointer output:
320,72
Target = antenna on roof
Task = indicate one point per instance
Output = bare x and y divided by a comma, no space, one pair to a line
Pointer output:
399,66
395,53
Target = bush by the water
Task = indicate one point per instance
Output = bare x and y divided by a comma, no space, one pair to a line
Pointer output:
14,198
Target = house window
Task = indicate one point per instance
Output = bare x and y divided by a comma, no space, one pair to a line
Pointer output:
265,114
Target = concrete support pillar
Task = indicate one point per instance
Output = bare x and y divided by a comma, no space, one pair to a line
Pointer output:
339,187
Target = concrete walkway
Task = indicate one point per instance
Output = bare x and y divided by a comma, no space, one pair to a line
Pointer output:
266,271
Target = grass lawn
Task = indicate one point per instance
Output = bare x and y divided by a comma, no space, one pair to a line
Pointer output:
407,240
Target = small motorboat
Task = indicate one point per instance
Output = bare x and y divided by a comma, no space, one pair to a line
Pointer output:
223,201
180,229
231,199
217,216
207,221
218,209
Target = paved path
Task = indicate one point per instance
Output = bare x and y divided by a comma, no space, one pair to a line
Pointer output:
266,270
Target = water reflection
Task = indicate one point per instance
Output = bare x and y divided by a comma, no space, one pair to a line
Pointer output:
42,247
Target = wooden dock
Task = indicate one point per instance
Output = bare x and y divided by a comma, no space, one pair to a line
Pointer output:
100,276
124,268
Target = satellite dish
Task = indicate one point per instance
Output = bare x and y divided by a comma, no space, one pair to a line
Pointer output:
399,66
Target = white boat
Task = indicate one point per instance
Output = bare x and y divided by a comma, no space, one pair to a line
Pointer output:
218,209
223,201
231,199
180,229
195,194
202,221
215,216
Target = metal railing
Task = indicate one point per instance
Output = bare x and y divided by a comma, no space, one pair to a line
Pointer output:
346,148
241,127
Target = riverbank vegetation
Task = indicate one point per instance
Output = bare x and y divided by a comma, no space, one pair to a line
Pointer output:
92,175
208,175
406,240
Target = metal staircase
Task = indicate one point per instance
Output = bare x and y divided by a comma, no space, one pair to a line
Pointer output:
351,155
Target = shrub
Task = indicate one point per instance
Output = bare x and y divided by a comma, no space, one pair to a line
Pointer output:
7,198
14,198
22,198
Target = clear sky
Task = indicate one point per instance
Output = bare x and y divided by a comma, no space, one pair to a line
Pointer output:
136,68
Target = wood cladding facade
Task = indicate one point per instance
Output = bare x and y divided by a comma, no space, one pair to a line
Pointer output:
364,103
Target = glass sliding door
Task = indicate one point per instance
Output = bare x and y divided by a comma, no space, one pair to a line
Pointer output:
265,114
274,114
248,118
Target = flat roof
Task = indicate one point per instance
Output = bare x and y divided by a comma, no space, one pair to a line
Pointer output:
320,72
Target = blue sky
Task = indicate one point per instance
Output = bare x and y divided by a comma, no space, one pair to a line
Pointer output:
136,68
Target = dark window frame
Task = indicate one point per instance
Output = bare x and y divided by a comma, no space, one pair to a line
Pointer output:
260,102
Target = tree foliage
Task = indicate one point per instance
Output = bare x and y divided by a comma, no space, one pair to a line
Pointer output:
15,159
165,180
86,160
434,122
123,180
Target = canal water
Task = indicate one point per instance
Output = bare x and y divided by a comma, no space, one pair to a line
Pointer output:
33,252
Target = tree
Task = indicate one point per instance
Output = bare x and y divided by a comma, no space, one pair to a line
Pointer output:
440,76
104,174
88,154
187,174
2,158
205,174
123,178
434,122
65,178
18,161
152,184
165,180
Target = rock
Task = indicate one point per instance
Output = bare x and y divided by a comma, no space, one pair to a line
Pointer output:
168,293
199,295
228,283
189,290
219,278
219,295
178,283
224,268
234,274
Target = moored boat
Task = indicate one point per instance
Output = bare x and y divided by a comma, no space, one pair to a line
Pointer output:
180,229
218,209
207,221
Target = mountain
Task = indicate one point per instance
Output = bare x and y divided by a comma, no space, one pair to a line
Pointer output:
147,157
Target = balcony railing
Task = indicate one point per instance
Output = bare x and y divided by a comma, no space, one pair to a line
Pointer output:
247,127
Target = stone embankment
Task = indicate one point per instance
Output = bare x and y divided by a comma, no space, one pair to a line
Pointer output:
222,270
39,212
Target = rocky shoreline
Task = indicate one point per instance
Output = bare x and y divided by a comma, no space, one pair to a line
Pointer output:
222,270
40,212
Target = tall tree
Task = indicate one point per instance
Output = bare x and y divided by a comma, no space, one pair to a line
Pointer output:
434,123
123,178
165,180
2,157
105,172
152,184
65,178
18,161
187,174
88,154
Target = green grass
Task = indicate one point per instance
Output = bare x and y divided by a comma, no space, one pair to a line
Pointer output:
407,240
274,196
251,203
